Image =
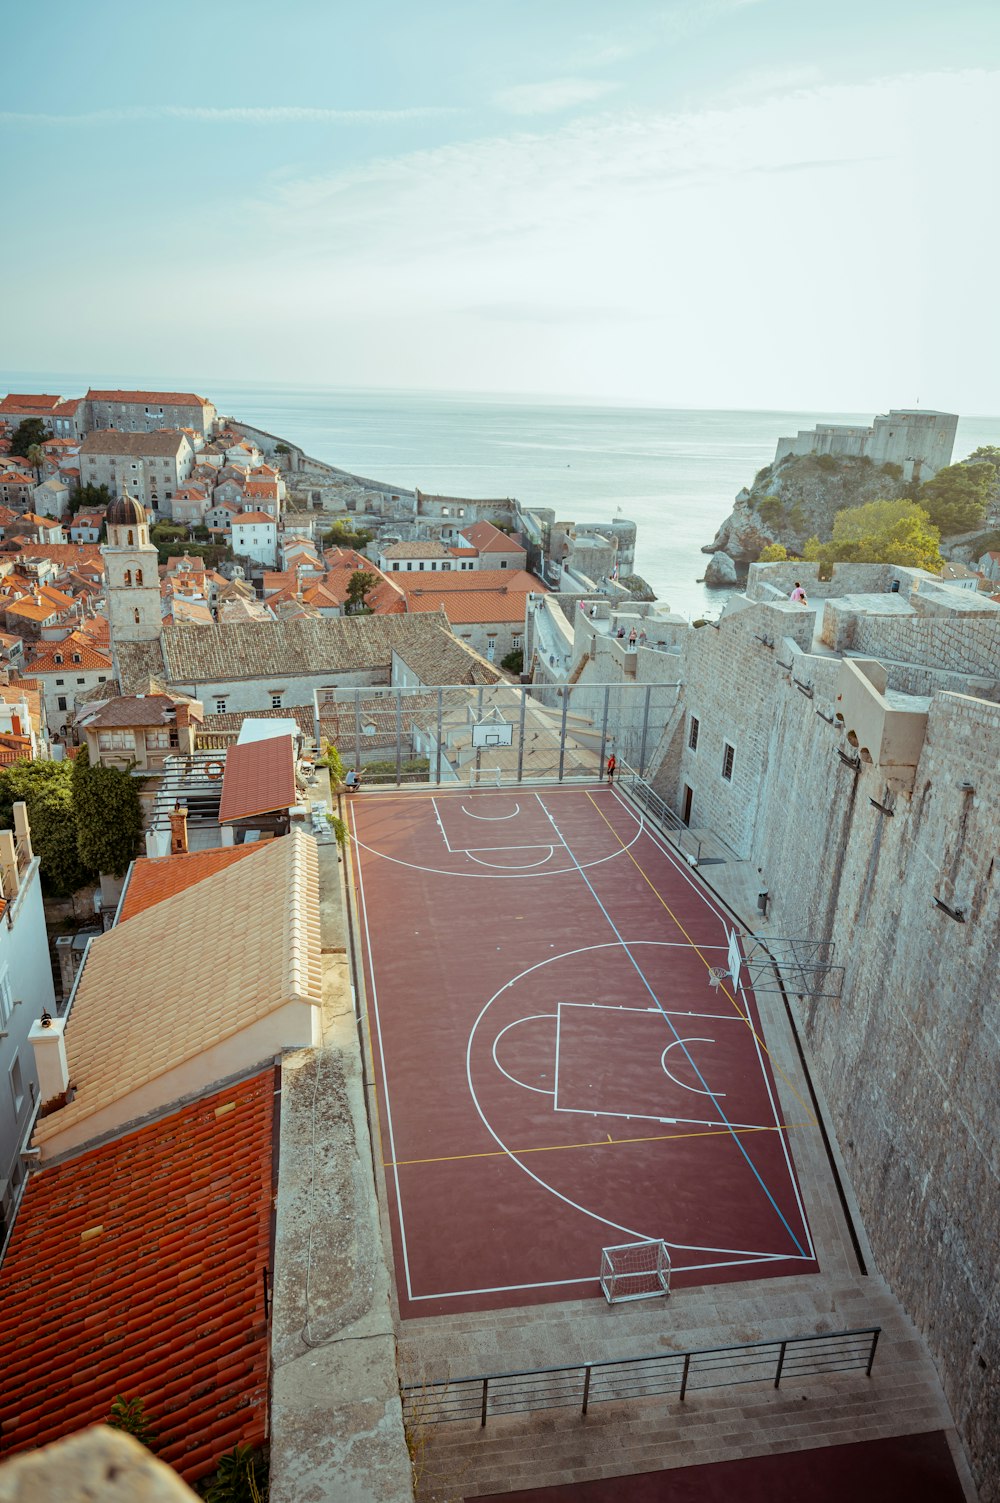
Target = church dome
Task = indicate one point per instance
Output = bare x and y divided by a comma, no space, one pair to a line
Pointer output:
125,511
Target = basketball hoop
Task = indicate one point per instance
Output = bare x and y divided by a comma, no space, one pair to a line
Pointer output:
716,976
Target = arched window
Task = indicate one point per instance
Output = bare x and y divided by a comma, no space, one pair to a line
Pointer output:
138,576
128,576
131,538
136,615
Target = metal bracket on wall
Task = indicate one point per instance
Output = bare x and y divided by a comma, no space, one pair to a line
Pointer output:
958,914
854,763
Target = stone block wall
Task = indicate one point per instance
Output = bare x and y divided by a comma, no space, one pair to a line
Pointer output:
952,644
908,1054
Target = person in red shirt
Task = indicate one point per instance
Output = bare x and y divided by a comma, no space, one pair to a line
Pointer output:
612,765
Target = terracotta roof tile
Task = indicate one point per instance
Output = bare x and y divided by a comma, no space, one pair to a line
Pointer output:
489,539
478,596
207,975
259,778
161,442
164,1302
150,398
28,402
152,879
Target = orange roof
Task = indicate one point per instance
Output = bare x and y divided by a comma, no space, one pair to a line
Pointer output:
30,402
44,658
32,609
154,878
259,779
253,516
136,1269
489,539
14,477
64,553
479,596
151,398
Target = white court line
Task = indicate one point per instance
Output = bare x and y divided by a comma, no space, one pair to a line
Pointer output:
444,832
385,1078
522,866
491,818
535,1017
696,1089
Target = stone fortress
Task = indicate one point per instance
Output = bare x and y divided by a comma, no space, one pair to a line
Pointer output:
919,441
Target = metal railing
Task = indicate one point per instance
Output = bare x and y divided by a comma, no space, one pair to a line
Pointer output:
680,1373
689,845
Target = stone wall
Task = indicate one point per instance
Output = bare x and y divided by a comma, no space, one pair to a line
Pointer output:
908,1055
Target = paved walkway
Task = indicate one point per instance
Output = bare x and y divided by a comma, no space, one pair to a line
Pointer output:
552,1447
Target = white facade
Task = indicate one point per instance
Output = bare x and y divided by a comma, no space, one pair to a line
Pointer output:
255,536
25,989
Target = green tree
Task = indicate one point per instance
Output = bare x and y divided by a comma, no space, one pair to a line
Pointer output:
108,815
89,497
956,498
27,433
882,532
34,456
513,662
241,1477
343,535
774,553
987,454
46,788
130,1415
331,760
360,582
771,510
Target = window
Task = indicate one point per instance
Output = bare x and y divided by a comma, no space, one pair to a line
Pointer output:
17,1085
102,678
515,642
58,657
503,563
60,682
275,701
728,757
77,658
6,1000
61,702
158,740
81,680
395,565
116,740
220,707
694,726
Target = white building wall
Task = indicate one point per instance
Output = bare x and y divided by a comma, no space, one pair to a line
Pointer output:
26,988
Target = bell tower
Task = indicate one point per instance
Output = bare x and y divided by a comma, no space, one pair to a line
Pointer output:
131,575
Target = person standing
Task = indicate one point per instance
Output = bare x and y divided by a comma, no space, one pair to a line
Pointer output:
631,638
612,768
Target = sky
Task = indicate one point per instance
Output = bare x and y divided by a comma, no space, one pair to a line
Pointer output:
694,203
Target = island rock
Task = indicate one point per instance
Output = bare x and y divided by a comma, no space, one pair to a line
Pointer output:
721,570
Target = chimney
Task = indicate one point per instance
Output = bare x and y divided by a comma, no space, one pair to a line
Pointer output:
47,1038
178,830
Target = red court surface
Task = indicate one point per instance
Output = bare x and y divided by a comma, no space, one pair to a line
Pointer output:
905,1469
554,1072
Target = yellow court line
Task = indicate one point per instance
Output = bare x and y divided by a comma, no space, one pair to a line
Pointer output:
664,1137
740,1013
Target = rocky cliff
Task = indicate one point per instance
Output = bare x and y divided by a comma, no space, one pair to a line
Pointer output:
796,499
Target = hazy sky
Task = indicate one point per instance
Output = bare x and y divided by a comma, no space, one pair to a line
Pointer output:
753,203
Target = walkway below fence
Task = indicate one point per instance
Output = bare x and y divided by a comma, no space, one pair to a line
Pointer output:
794,1357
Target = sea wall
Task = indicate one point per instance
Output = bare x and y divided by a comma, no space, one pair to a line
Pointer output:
908,1054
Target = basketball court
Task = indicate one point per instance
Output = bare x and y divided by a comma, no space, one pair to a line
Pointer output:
566,1052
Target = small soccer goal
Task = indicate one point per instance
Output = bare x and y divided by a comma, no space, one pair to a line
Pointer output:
635,1270
484,777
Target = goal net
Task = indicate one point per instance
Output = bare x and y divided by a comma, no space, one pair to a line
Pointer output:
484,777
635,1270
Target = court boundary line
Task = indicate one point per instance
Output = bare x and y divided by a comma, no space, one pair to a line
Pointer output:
743,1258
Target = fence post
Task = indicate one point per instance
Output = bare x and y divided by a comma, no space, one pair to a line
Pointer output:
399,737
781,1363
586,1388
437,764
871,1355
486,1389
520,734
684,1375
562,732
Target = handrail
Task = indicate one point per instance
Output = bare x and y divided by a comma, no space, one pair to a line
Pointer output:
586,1383
639,790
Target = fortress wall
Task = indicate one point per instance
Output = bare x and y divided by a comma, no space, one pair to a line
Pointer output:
946,642
908,1057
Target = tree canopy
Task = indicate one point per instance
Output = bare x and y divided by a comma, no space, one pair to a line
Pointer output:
89,496
360,582
29,432
343,535
108,815
956,498
882,532
47,790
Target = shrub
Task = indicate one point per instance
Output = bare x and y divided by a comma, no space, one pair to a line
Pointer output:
894,471
241,1477
513,662
827,462
774,553
771,510
130,1416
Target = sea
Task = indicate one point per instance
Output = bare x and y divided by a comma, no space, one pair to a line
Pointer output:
672,471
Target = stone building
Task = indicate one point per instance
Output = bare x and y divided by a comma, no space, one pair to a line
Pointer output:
148,466
132,575
920,441
850,751
145,411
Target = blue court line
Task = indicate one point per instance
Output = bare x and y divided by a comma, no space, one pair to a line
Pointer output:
673,1030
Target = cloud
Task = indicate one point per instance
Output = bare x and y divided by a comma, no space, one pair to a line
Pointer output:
552,96
238,115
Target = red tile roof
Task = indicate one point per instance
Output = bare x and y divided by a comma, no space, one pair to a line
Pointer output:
259,779
31,402
44,658
136,1269
156,878
472,597
489,539
151,398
